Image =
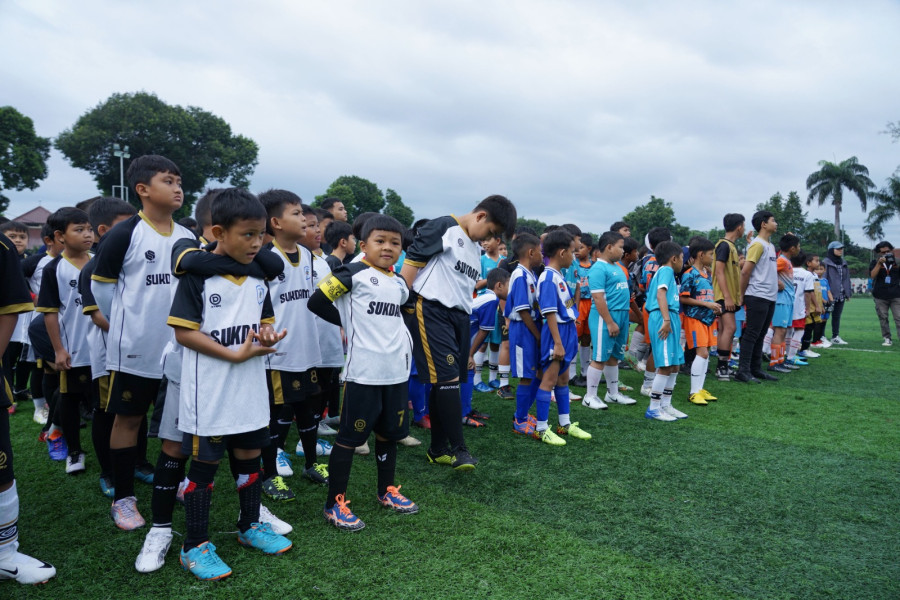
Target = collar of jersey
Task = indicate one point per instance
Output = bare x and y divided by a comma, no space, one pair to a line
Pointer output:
148,222
388,273
285,254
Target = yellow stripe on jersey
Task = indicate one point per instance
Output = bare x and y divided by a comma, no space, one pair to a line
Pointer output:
153,227
420,317
238,281
178,322
96,277
277,390
90,309
104,391
175,268
46,309
112,376
63,382
267,321
12,309
414,263
195,446
333,288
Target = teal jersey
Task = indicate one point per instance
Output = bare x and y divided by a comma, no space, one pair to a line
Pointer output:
664,278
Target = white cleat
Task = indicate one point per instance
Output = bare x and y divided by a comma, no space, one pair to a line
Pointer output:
671,410
283,463
659,415
620,398
326,429
153,553
593,402
646,390
278,526
573,397
24,568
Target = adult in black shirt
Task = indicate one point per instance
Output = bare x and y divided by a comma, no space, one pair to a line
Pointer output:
885,274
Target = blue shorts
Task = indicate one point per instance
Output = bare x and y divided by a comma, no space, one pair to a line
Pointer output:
569,338
604,345
784,315
523,352
667,352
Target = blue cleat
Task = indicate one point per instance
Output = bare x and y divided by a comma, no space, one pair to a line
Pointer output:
204,563
341,517
482,387
397,502
107,487
494,383
261,537
56,446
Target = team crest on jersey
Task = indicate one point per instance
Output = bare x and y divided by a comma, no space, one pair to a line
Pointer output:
531,287
150,255
215,439
562,286
451,359
374,280
295,384
359,425
260,294
306,271
460,243
72,283
215,300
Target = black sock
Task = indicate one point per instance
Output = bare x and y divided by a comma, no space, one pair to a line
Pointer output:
283,423
308,429
51,394
71,421
197,499
438,433
270,452
249,487
141,458
169,473
386,460
446,403
339,464
122,461
37,381
101,429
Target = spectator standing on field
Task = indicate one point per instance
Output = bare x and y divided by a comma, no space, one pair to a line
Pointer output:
885,276
838,274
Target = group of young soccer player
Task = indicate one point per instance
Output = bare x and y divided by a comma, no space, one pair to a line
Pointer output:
236,331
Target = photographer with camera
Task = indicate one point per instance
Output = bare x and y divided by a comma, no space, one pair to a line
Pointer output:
885,276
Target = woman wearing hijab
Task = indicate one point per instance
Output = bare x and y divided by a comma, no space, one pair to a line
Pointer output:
838,275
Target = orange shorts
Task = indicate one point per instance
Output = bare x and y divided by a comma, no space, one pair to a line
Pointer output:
581,323
645,316
697,334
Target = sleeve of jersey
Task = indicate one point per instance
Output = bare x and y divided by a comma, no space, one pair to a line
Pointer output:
547,296
810,283
518,296
782,264
268,311
14,295
688,281
89,304
723,252
597,280
487,315
187,306
111,254
429,242
339,282
754,252
48,300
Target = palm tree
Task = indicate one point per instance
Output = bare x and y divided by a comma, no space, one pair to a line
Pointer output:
888,201
830,181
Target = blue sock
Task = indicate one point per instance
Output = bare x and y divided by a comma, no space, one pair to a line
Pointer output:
533,388
417,395
562,398
523,402
465,393
543,405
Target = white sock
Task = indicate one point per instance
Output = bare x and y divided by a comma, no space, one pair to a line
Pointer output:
542,425
585,354
669,388
698,374
656,390
767,341
593,380
571,369
504,375
479,361
39,403
493,364
637,340
612,380
794,343
649,378
564,420
9,517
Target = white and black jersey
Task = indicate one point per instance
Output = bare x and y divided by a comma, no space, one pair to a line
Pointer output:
33,269
331,345
220,397
449,263
138,259
96,336
379,347
59,294
290,294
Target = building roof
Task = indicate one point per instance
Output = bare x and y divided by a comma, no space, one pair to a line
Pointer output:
36,216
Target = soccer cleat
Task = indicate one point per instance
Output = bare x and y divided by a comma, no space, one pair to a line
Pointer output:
323,448
483,387
144,473
779,369
441,457
424,422
341,517
745,378
646,390
593,402
125,514
470,422
479,415
525,427
23,568
153,553
796,361
819,344
658,414
723,374
397,502
362,450
671,410
578,381
630,360
887,342
283,463
276,489
620,398
494,384
708,396
548,437
318,473
826,343
573,396
641,366
336,419
409,441
262,537
698,398
625,388
75,463
40,415
56,446
506,393
203,562
12,408
804,354
42,437
107,487
278,526
763,376
462,460
574,430
837,340
326,429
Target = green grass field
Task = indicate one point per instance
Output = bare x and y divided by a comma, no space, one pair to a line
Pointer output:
786,490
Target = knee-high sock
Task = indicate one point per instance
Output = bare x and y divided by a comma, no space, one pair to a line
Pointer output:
504,374
656,390
446,406
542,402
71,421
637,345
308,429
767,341
465,394
122,461
571,369
417,397
386,462
9,519
611,373
666,399
561,392
168,474
339,464
494,365
698,374
197,499
584,355
249,487
794,343
523,402
141,458
101,430
479,362
593,380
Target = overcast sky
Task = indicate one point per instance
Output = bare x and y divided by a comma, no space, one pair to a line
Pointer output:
577,111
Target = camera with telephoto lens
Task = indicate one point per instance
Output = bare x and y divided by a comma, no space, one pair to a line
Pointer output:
889,259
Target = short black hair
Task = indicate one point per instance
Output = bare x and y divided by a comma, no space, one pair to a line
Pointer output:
307,210
379,222
143,168
337,231
525,229
760,217
732,221
85,205
14,226
799,260
657,235
322,214
699,245
275,201
358,223
523,242
608,238
549,229
557,240
619,225
46,231
67,215
884,245
188,222
664,252
236,204
810,257
587,240
631,245
500,211
496,276
327,203
203,208
106,209
788,241
575,230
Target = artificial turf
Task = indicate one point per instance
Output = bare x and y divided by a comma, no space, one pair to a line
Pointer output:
778,490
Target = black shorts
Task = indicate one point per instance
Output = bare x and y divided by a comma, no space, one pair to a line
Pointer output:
287,387
131,394
212,448
440,341
329,376
76,381
100,395
504,329
721,303
6,453
379,408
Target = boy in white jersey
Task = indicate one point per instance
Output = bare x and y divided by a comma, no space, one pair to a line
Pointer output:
441,268
15,368
804,305
365,297
217,320
559,340
133,286
67,326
